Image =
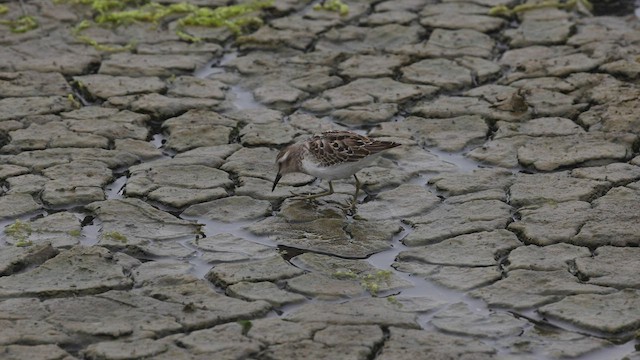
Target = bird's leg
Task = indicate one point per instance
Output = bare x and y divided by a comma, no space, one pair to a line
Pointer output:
352,204
355,196
315,196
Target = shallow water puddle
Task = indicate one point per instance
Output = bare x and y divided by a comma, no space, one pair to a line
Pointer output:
90,231
614,352
199,267
421,287
115,190
210,228
463,163
207,69
214,66
158,140
425,288
534,316
243,99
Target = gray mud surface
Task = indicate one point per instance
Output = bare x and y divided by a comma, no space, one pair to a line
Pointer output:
137,218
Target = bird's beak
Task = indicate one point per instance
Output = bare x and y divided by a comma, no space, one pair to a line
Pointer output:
275,182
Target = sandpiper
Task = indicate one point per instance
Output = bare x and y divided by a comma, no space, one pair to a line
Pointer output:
331,155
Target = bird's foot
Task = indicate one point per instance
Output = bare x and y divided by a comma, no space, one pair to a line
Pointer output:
313,196
352,210
298,196
350,207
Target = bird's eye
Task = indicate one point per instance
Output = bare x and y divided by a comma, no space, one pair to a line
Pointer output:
335,145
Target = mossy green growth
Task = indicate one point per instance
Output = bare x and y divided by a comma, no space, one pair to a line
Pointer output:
233,17
75,232
20,231
82,25
246,326
333,5
74,102
345,275
23,243
18,228
79,84
115,236
372,282
101,6
85,24
151,12
393,300
503,10
109,12
21,24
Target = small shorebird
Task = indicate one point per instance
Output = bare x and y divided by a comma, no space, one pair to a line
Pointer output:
330,155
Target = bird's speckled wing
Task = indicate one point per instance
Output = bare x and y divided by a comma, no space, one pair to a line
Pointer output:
335,147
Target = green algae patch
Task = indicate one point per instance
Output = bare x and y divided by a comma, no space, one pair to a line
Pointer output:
393,300
20,231
370,282
23,243
503,10
115,236
237,18
85,24
74,102
333,5
151,13
101,6
345,275
21,24
234,17
75,232
246,326
18,25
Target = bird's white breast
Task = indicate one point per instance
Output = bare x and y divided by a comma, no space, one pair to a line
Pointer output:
338,171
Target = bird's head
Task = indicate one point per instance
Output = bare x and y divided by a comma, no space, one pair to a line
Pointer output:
288,161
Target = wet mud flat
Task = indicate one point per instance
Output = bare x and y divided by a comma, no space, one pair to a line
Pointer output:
138,219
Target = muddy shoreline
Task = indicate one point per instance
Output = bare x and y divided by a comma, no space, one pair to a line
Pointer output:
137,218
